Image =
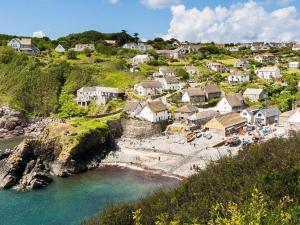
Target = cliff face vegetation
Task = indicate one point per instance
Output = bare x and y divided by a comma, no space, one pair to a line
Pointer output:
272,168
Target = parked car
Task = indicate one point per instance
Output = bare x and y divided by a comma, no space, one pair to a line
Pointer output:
208,136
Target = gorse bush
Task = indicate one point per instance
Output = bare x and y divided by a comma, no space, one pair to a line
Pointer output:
272,168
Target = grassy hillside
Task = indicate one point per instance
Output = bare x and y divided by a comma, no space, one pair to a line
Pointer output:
225,191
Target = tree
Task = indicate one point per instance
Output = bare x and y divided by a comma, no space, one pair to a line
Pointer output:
71,54
183,74
87,52
136,37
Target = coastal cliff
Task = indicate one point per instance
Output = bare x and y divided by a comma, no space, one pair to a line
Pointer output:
64,148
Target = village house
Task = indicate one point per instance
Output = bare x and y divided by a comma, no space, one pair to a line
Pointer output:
191,70
154,111
212,91
268,73
259,46
267,116
148,88
137,46
170,83
189,48
290,120
255,94
217,67
294,65
82,47
242,64
231,103
226,124
110,42
175,54
296,47
133,108
201,118
266,58
23,45
163,71
233,48
194,96
238,77
60,49
248,114
140,59
185,111
101,95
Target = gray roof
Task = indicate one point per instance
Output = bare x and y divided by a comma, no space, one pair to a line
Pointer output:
157,106
204,115
194,92
235,100
187,109
171,80
131,106
212,88
270,112
253,91
150,84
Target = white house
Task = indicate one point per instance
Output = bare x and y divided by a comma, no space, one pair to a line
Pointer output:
133,108
170,83
233,48
59,48
163,71
82,47
100,95
194,95
248,114
269,72
154,112
267,116
242,64
137,46
140,59
217,67
238,77
296,47
231,103
255,94
23,45
176,54
294,65
266,57
148,88
191,70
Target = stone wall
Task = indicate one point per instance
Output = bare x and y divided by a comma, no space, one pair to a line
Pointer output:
134,128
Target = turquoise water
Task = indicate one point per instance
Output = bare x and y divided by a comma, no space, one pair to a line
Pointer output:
68,201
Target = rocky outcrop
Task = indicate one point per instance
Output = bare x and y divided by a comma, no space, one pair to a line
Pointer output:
31,164
15,123
134,128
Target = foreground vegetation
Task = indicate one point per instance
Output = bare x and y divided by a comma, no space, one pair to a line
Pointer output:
259,186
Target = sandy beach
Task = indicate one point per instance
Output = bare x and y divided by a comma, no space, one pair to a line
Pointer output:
162,155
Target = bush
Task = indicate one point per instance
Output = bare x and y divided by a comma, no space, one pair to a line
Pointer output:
71,54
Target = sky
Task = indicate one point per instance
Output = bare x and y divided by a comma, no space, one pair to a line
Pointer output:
187,20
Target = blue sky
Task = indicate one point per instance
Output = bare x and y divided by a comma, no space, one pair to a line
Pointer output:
60,17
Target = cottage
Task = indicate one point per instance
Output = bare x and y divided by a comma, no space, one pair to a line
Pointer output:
194,95
269,72
267,116
82,47
296,47
201,118
238,77
137,46
23,45
111,42
140,59
176,54
248,114
231,103
170,83
233,48
133,108
294,65
217,67
226,124
266,58
163,71
101,95
255,94
148,88
185,111
259,46
154,112
242,64
212,91
60,49
191,70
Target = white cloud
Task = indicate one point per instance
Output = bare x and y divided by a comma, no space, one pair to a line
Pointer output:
159,4
38,34
239,22
114,1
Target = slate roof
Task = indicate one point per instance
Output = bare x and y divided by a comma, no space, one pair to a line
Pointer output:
203,115
150,84
171,80
253,91
131,106
235,100
212,88
230,119
270,112
194,92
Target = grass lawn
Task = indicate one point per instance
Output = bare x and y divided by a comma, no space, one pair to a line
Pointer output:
228,62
